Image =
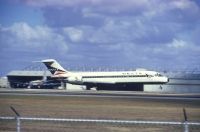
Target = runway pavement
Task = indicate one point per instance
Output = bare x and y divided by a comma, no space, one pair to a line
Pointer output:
100,94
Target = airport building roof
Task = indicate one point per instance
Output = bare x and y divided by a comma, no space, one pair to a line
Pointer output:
29,73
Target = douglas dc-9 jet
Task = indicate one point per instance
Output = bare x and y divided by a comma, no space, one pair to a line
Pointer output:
105,80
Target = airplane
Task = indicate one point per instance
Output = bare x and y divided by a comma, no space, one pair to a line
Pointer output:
106,79
43,83
38,83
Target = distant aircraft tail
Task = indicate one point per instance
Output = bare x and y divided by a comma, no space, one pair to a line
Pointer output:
55,68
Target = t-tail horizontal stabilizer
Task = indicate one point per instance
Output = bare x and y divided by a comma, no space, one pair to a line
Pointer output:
55,68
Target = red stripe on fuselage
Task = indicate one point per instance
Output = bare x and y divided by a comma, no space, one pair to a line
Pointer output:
59,72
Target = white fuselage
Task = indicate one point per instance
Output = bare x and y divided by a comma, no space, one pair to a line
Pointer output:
115,77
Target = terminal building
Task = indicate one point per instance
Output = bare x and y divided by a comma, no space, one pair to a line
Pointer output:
179,82
3,82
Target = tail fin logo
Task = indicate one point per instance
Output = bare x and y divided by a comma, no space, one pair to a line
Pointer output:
57,73
54,67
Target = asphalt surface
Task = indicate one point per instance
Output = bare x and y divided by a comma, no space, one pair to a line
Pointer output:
100,94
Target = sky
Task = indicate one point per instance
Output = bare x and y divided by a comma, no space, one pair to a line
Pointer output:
113,34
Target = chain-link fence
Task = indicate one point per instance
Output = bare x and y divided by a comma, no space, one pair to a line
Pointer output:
29,124
39,124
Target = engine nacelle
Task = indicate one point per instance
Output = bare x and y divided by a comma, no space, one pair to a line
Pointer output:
74,79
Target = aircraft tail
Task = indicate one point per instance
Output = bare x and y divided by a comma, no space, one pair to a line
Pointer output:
55,68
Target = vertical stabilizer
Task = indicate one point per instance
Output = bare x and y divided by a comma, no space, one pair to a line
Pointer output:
54,67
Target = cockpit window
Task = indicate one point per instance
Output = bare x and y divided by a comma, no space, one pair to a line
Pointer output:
158,74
